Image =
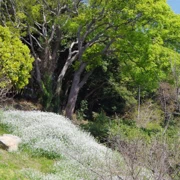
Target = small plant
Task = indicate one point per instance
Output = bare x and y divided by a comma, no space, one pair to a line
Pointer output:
99,127
83,108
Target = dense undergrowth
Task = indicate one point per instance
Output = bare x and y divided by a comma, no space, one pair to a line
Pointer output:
144,141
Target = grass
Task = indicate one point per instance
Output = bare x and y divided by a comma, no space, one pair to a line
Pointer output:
11,164
3,129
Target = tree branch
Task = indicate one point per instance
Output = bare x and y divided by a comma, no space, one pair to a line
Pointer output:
85,78
37,41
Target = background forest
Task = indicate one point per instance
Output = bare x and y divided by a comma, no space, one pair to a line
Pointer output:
111,66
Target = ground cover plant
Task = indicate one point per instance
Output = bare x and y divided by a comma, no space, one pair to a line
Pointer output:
76,154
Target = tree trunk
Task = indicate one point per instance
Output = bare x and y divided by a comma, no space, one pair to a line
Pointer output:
72,97
55,47
60,78
38,75
63,72
77,84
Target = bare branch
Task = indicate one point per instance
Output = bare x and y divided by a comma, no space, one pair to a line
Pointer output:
37,41
38,24
52,33
85,78
71,47
79,37
94,40
108,46
42,35
27,42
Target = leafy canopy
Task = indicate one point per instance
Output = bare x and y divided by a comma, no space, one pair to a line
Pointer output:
15,60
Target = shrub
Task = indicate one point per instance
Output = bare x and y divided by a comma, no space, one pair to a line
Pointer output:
15,60
99,127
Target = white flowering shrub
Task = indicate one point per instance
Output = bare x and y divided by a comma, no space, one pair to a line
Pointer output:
79,155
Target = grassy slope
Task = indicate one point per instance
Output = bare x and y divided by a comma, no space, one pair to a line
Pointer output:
62,150
12,163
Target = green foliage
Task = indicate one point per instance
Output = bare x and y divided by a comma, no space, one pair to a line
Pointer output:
12,164
127,130
40,153
28,11
3,129
47,92
127,95
172,131
81,111
104,128
144,54
150,114
145,41
99,127
49,101
15,60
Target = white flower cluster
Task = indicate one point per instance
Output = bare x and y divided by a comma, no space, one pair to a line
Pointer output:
55,135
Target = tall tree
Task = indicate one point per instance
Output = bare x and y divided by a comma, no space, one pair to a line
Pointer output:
139,35
41,25
131,31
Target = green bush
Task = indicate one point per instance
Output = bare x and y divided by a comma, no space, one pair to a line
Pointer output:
83,108
99,127
15,60
127,130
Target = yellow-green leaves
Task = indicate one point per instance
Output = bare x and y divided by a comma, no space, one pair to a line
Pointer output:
15,59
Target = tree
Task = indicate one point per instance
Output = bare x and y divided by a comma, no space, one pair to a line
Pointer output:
77,36
41,25
15,61
135,38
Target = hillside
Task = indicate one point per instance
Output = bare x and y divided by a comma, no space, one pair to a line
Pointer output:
69,152
112,68
53,148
